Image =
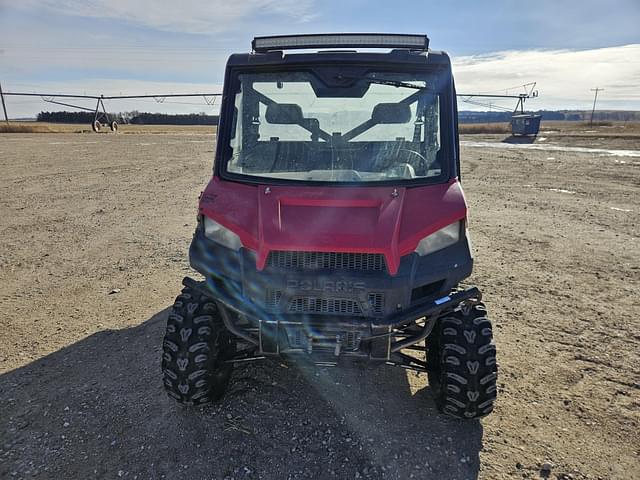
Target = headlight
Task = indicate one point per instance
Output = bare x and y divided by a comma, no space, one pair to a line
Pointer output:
222,235
443,238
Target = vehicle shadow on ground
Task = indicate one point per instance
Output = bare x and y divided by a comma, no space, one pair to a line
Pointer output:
97,409
520,140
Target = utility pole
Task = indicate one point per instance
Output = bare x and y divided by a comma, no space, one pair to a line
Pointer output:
595,99
4,107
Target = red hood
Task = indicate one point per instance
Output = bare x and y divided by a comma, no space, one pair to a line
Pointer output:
383,220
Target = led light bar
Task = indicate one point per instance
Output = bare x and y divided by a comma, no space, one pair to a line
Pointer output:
340,40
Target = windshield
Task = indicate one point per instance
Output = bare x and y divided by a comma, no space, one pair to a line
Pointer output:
327,126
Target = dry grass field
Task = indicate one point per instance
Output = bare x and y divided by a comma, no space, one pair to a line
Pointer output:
555,226
45,127
605,131
569,129
482,128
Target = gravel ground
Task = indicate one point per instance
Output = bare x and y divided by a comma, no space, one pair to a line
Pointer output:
556,239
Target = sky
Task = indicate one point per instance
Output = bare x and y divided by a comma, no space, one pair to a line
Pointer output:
114,47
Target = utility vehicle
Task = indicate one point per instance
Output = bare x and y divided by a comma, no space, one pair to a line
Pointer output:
334,227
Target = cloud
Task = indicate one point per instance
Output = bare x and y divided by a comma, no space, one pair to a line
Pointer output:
564,77
184,16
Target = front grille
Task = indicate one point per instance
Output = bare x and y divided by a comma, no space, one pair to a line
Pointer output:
340,306
327,260
272,297
325,305
376,302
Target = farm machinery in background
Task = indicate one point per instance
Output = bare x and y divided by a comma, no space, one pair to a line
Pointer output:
102,120
522,123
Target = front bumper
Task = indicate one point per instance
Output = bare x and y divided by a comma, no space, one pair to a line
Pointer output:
280,292
359,338
245,295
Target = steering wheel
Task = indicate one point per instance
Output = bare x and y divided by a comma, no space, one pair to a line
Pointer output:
425,163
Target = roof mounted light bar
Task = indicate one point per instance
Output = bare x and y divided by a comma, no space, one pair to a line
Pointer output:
340,40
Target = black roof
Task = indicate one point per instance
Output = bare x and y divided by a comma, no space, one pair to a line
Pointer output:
402,57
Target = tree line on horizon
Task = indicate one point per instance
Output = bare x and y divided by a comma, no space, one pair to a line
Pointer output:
145,118
562,115
137,118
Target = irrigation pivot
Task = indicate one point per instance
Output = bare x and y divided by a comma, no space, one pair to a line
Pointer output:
101,118
521,123
4,107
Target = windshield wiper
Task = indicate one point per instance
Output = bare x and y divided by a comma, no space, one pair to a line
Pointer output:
382,81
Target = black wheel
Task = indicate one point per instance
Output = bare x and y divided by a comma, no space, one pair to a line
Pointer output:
195,346
96,126
114,127
462,358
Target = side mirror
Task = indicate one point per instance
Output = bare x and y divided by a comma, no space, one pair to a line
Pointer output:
388,113
284,114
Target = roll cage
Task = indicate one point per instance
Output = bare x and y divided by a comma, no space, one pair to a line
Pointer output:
391,62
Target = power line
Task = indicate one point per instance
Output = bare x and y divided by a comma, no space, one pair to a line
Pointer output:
595,99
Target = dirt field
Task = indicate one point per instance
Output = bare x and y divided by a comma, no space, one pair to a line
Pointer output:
556,235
